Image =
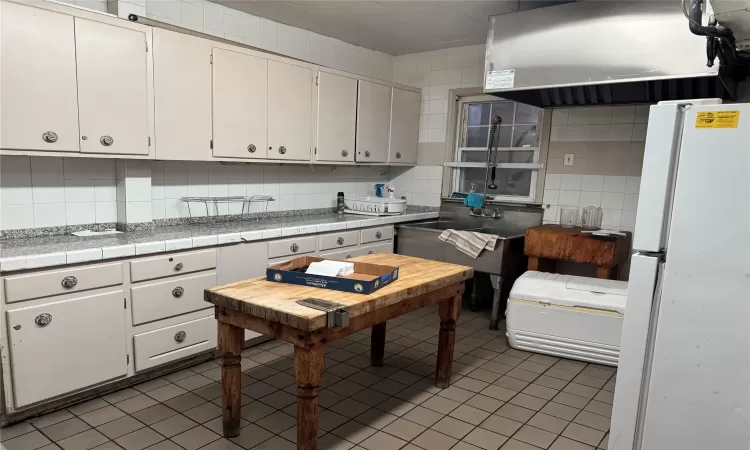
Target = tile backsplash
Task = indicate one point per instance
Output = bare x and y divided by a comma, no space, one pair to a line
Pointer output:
607,144
38,192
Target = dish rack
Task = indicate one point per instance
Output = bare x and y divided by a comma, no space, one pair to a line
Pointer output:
376,205
246,201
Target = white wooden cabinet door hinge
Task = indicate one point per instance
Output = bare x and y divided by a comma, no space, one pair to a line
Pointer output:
149,141
317,79
146,46
124,304
127,359
211,144
210,59
316,150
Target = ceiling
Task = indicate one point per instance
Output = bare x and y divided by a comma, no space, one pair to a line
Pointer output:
396,27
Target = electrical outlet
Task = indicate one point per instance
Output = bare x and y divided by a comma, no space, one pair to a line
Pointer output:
568,160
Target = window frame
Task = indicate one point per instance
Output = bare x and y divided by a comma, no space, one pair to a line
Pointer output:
536,167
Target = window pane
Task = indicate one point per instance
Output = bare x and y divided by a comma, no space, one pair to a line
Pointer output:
515,182
477,136
479,114
504,110
525,136
503,137
502,157
526,113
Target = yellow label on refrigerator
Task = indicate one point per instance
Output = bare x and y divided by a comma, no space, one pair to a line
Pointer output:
717,119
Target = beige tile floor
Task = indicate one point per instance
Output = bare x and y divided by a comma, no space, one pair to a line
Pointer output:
500,398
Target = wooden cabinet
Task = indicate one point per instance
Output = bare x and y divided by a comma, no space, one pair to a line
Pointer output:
373,121
182,87
337,117
161,346
66,345
171,297
240,99
289,111
112,88
404,134
38,72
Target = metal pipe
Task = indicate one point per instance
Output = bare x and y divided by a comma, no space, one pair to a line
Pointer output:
489,175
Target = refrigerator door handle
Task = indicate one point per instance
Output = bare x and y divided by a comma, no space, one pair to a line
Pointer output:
639,327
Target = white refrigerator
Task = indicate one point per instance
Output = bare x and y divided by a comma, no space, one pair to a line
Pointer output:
683,379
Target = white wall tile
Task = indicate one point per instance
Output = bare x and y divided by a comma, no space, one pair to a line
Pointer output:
641,113
592,183
170,12
79,191
578,116
621,132
639,132
611,218
560,116
192,16
614,184
213,19
105,212
80,213
633,185
569,197
571,182
104,169
158,209
630,202
600,115
16,217
552,181
139,212
589,198
49,215
612,200
551,214
551,197
78,168
628,219
623,114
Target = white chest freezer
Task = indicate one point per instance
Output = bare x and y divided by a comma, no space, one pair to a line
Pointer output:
567,316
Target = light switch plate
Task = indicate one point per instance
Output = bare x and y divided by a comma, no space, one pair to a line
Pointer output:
568,160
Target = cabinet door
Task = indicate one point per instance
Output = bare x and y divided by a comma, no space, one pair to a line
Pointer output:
182,91
242,261
81,344
289,111
404,137
112,88
240,97
337,117
38,72
373,120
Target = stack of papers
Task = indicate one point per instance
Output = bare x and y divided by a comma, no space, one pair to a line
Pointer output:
331,268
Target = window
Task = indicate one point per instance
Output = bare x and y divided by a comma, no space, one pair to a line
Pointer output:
517,141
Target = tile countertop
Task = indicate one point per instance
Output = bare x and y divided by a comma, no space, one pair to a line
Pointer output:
45,251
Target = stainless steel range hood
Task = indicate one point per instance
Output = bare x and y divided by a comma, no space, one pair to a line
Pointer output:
599,52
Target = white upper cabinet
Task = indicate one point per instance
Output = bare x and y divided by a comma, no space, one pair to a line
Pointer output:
113,94
240,99
404,137
182,89
373,121
337,117
290,111
38,72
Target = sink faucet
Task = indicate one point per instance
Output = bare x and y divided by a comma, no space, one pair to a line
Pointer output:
479,212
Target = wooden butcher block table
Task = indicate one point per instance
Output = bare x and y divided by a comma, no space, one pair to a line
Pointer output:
546,243
270,308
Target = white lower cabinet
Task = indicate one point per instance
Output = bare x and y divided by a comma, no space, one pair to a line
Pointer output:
175,296
66,345
171,343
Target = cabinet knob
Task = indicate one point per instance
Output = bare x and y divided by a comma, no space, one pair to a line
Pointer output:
348,256
178,291
178,266
49,137
370,252
398,155
367,154
378,234
69,282
340,241
251,148
344,153
282,149
107,140
43,319
294,248
180,336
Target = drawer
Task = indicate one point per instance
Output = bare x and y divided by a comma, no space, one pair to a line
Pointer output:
174,264
294,246
77,343
338,240
175,296
377,234
384,247
63,281
283,259
342,254
171,343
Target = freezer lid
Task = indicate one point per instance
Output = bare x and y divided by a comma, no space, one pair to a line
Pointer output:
637,329
659,163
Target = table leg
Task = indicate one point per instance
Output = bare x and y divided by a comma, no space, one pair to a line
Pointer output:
450,309
230,346
308,369
377,344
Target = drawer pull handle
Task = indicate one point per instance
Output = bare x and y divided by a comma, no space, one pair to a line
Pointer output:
49,137
370,252
251,148
348,256
367,154
178,266
340,241
294,248
344,153
178,291
378,234
106,141
282,149
69,282
43,319
180,336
